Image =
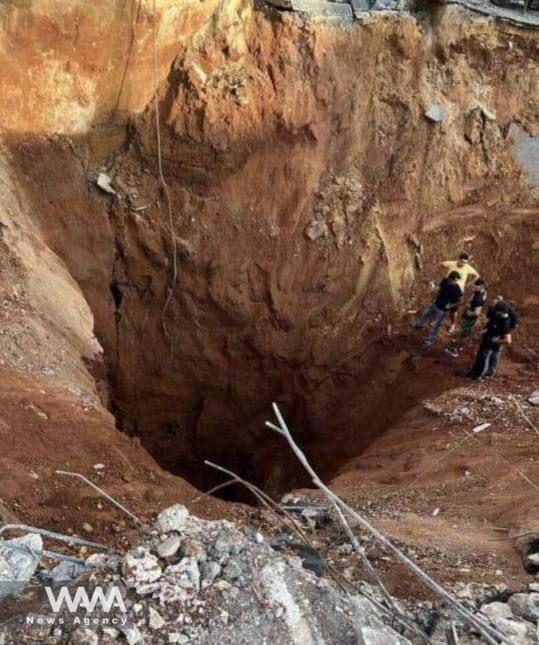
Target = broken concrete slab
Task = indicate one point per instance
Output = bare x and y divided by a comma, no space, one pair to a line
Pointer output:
19,558
360,6
321,8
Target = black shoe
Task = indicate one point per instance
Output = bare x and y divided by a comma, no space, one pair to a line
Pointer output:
473,376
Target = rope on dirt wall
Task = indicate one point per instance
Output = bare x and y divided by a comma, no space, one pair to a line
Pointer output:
164,185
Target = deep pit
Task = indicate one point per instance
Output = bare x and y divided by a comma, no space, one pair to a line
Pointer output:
311,200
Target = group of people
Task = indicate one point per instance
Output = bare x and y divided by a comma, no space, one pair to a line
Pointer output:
501,317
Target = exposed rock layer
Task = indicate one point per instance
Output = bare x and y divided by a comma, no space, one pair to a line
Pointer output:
267,125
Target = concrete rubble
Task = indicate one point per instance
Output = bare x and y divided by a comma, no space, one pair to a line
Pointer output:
19,559
196,581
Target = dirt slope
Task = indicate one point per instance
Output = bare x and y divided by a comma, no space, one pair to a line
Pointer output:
274,131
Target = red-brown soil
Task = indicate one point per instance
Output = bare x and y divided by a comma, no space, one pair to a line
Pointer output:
267,124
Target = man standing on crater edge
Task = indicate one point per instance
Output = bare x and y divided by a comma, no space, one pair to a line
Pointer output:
463,267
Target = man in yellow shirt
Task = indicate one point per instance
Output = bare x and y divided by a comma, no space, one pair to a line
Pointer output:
465,270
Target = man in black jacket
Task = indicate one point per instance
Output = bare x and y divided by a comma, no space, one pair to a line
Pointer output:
496,334
469,317
449,295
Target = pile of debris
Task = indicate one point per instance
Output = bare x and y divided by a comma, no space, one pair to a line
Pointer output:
196,581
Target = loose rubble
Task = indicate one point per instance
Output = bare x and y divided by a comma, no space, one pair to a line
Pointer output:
196,581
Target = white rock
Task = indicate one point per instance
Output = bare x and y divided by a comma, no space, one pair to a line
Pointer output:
177,637
533,559
96,560
210,571
141,567
169,547
132,635
99,466
103,181
434,113
534,398
185,574
111,632
497,610
155,620
172,519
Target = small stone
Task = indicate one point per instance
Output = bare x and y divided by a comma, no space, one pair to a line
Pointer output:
185,574
99,466
172,519
141,567
111,632
210,571
155,620
194,549
177,637
83,636
497,610
434,113
96,560
316,229
87,528
132,635
227,544
66,571
104,182
232,571
533,559
222,585
169,547
534,398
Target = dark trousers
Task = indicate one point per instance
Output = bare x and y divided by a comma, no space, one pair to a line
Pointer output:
486,360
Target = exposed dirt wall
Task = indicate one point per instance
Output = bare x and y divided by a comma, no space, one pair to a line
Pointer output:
270,123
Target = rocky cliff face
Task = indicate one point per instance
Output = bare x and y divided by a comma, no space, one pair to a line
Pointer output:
311,199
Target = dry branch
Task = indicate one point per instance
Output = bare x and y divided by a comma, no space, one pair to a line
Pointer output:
490,634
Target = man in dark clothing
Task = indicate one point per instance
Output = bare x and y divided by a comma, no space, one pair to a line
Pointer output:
469,317
513,315
496,334
449,295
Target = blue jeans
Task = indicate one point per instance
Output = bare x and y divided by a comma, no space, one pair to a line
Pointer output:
435,314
